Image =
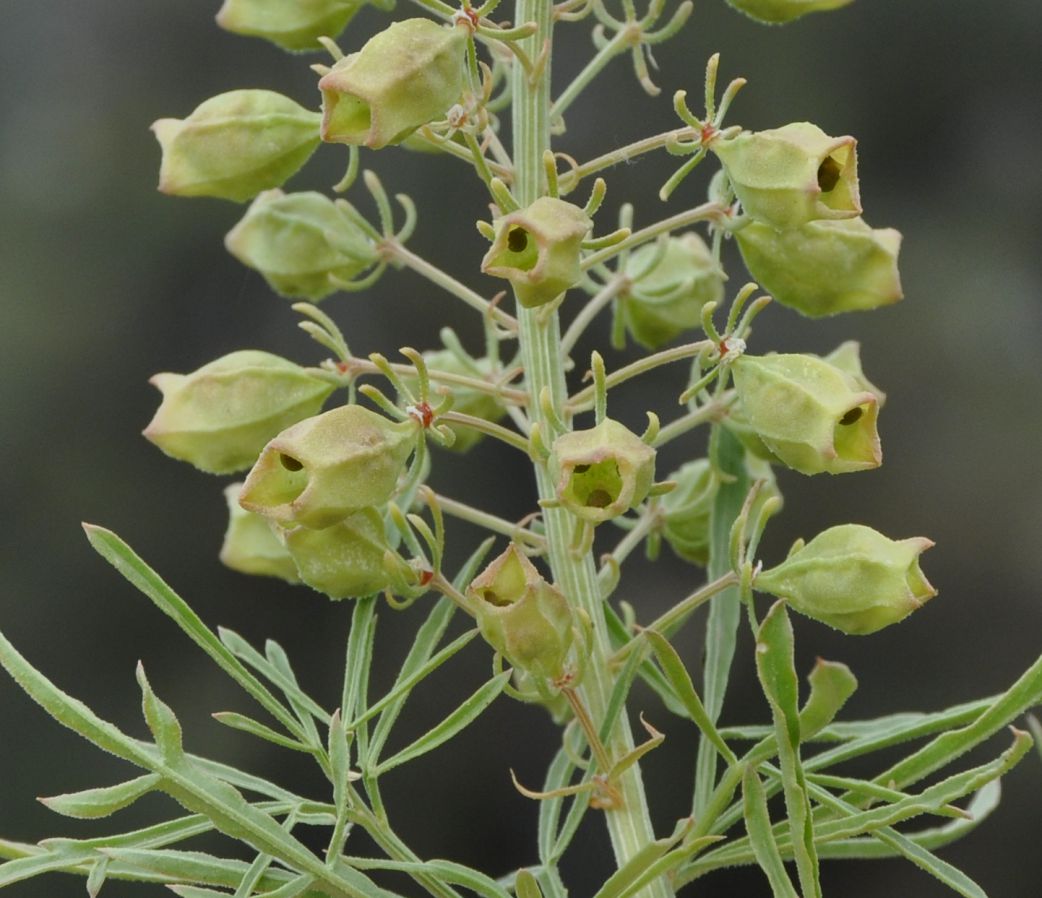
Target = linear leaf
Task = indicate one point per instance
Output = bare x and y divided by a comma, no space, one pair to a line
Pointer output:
293,888
301,703
444,871
725,610
680,680
761,836
526,885
96,877
831,684
241,649
775,666
94,803
245,724
464,715
404,686
161,720
423,645
130,565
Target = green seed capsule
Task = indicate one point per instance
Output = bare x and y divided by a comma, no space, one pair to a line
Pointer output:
295,25
325,468
301,243
776,12
824,267
852,578
788,176
602,472
538,250
404,77
344,561
250,546
219,417
521,616
667,300
235,145
810,414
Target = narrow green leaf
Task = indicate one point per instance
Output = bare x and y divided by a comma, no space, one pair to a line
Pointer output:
296,886
464,715
423,645
196,892
300,702
68,711
775,666
1024,694
558,775
980,808
241,649
526,885
162,722
96,877
1036,731
94,803
440,870
359,643
130,565
339,763
761,836
680,680
646,671
831,684
405,686
951,876
728,457
669,862
245,724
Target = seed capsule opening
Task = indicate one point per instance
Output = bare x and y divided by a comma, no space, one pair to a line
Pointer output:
290,463
828,174
852,416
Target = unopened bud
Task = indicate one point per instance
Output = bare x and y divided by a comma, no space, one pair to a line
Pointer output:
250,546
293,25
809,413
777,12
824,267
344,561
668,299
852,578
219,417
791,175
602,472
325,468
538,250
521,616
301,243
235,145
404,77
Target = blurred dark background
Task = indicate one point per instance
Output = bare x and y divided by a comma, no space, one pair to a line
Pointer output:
104,282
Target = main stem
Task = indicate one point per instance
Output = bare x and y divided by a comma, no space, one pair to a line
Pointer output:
540,338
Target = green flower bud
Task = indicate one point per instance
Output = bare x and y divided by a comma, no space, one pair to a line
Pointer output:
824,267
466,401
602,472
293,25
219,417
668,299
250,545
521,616
299,242
343,561
791,175
685,511
402,78
810,414
325,468
777,12
235,145
852,578
538,250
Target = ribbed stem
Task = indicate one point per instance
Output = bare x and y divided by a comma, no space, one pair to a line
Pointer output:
629,825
